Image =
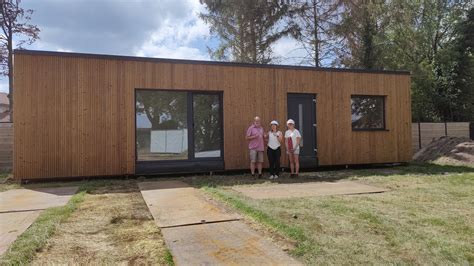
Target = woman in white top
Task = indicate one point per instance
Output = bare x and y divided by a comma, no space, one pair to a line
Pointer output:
292,142
274,138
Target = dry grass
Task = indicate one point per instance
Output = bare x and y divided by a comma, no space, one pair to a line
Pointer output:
111,226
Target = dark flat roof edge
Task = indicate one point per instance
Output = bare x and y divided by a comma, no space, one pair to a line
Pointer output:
202,62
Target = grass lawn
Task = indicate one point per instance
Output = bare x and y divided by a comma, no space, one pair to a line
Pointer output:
426,218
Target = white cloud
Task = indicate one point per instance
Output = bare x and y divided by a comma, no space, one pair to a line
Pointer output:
181,38
288,51
109,26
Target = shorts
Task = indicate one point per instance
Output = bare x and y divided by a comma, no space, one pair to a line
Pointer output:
256,156
297,151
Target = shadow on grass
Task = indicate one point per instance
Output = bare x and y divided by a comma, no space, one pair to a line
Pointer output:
124,185
325,176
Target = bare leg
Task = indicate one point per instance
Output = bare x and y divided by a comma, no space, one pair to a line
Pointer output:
297,163
292,163
252,167
259,165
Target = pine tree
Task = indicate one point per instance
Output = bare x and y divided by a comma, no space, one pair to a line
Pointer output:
247,29
362,29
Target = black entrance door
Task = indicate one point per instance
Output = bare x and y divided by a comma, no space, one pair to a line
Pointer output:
302,109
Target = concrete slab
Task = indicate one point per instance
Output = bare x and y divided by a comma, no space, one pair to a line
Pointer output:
19,208
225,243
312,189
34,199
174,203
14,224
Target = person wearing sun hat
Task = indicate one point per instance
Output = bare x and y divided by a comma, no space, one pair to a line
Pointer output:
274,138
292,142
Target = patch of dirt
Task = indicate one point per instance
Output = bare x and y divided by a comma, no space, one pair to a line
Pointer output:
111,226
447,150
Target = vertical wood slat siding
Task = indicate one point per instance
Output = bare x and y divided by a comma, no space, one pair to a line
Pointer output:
75,116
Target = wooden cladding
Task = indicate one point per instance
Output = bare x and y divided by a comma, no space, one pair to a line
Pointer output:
75,115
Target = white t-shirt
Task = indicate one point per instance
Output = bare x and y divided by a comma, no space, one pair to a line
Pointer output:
293,135
273,142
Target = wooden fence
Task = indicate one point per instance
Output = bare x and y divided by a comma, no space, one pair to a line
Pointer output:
424,133
6,146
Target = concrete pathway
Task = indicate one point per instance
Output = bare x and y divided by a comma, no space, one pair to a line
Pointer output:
310,189
199,232
19,208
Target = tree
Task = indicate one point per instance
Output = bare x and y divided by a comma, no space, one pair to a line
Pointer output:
14,22
464,69
316,19
419,39
246,29
362,28
454,74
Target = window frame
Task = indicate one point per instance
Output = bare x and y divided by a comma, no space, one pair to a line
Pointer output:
384,122
190,126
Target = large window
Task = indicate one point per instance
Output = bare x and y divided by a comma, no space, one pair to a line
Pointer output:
177,125
368,112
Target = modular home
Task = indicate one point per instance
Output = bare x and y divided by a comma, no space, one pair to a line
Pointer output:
89,115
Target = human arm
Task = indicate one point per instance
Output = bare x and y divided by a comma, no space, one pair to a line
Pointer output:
249,135
298,138
280,137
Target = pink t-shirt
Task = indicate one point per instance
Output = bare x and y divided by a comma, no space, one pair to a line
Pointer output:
256,143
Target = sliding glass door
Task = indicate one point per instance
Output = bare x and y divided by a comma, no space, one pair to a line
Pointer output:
174,128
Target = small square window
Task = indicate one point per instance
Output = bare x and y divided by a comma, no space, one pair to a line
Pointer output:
368,112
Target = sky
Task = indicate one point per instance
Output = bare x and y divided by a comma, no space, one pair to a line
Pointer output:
149,28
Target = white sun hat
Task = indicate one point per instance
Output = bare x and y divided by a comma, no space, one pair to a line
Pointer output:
290,121
274,122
